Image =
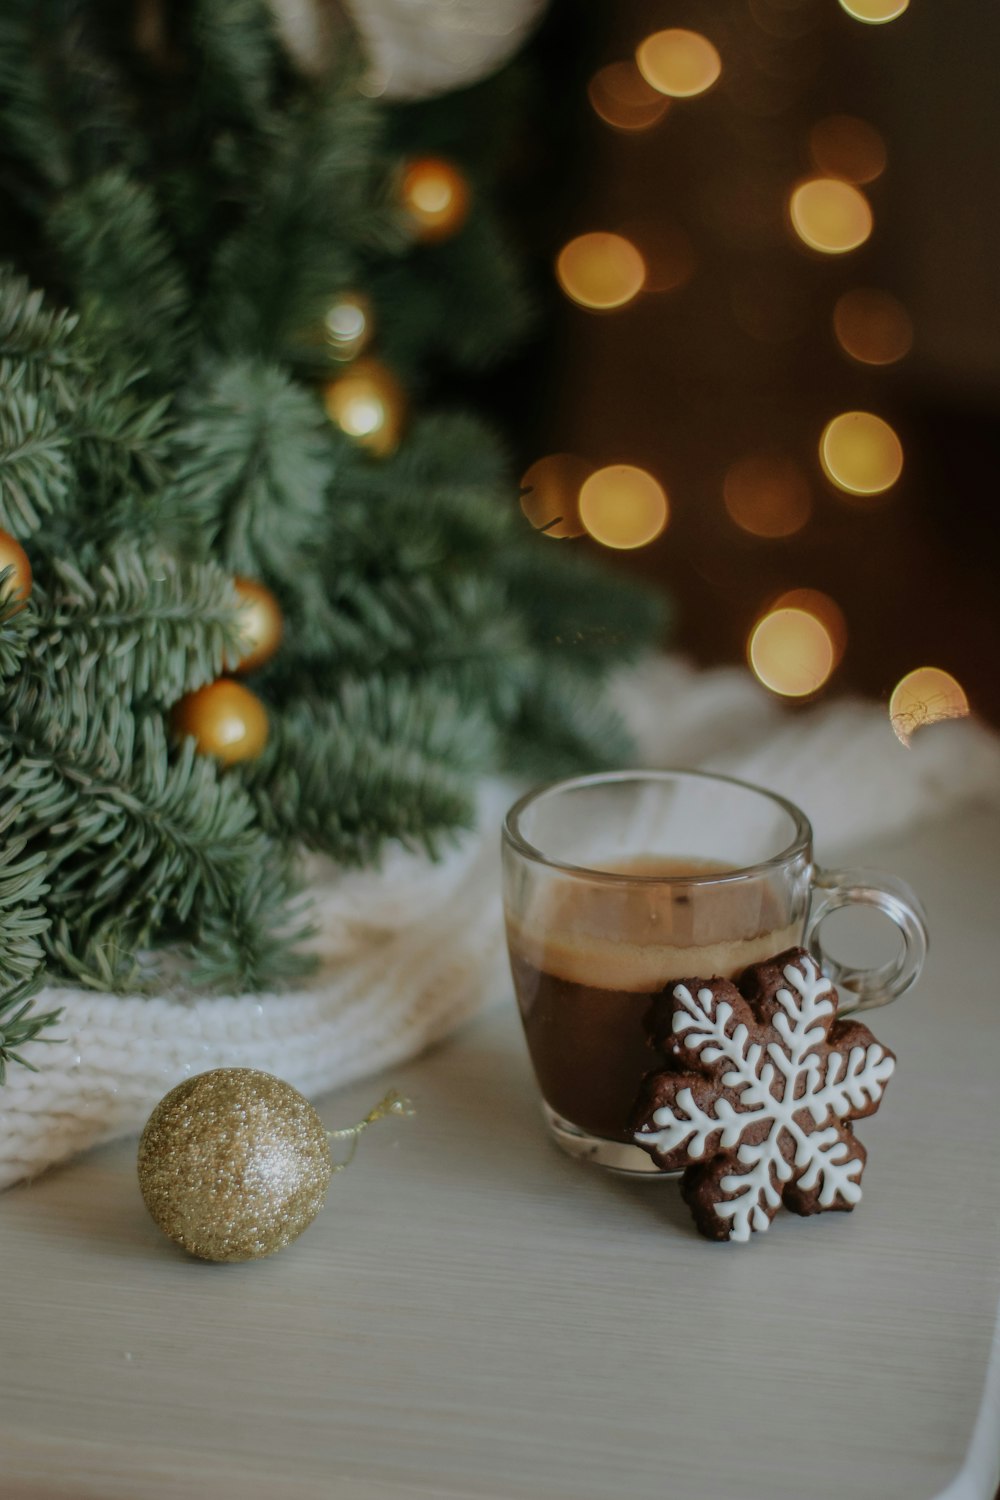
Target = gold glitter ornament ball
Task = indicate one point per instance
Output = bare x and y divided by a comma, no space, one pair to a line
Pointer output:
225,720
234,1164
17,585
261,624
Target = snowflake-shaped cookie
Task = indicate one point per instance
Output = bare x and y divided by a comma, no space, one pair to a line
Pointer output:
764,1083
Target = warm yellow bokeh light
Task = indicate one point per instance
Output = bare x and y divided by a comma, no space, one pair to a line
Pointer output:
623,507
369,404
601,270
925,696
872,327
550,493
767,494
875,12
791,652
861,453
623,98
830,215
678,63
844,146
826,610
436,196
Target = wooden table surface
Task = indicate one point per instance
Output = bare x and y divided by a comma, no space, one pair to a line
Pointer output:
476,1316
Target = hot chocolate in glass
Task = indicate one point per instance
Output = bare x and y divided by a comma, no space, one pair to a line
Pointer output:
616,885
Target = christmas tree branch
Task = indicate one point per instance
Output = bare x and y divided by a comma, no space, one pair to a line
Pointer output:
142,627
383,759
131,835
19,1024
253,463
131,294
35,477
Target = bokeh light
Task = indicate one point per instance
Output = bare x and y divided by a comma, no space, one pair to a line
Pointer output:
367,403
667,253
623,98
872,327
601,270
925,696
767,495
550,493
875,12
791,652
347,324
678,63
436,195
623,507
860,453
824,609
830,215
844,146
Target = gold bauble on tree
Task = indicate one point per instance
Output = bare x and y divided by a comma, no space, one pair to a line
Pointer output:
348,326
368,404
225,719
234,1164
435,196
18,584
261,623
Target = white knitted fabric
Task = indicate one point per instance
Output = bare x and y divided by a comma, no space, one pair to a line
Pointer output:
411,949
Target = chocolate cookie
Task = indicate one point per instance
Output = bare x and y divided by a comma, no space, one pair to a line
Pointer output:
756,1108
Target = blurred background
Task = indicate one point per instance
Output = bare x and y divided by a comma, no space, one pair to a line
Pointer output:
765,376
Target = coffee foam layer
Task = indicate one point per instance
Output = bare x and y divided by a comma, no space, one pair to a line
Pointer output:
604,964
637,937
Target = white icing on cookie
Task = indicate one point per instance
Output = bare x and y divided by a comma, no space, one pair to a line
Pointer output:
793,1085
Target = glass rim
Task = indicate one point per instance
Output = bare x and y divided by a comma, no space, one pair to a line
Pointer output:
512,835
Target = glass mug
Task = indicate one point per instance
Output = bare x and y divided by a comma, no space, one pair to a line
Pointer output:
617,884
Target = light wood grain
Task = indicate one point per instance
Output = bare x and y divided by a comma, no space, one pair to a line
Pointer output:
475,1317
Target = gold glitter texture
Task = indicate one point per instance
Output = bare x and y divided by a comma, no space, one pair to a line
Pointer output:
234,1164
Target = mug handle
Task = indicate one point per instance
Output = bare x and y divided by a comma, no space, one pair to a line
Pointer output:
868,988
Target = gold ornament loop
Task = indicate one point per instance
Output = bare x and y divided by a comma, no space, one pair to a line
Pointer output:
394,1103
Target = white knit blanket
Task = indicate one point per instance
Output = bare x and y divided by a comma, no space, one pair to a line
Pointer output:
410,950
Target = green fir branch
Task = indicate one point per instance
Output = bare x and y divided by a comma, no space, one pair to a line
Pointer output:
120,442
132,833
380,760
253,463
30,128
24,918
443,500
35,476
238,54
17,627
321,205
464,301
20,1023
130,292
139,626
39,347
584,617
449,631
564,727
247,947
